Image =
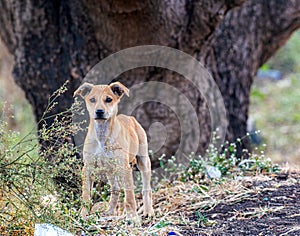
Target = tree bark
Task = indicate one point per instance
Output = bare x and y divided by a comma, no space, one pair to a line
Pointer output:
55,41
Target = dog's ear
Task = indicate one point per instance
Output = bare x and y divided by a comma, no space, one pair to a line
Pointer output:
112,81
119,89
84,90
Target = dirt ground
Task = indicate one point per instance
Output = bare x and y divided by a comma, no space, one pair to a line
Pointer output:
263,205
272,207
267,204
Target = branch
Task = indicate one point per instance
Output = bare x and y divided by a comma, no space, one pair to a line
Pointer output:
250,35
203,18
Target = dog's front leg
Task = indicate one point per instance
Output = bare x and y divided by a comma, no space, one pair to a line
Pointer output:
115,192
86,190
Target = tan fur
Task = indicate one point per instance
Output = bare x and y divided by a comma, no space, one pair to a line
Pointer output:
113,143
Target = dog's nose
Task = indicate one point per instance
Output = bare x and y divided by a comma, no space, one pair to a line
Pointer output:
99,114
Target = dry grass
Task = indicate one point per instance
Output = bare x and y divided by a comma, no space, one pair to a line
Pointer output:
175,205
178,205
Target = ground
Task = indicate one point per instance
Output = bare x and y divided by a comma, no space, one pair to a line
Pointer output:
261,205
273,208
266,204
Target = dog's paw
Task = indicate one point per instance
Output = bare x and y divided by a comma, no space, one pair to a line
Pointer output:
148,212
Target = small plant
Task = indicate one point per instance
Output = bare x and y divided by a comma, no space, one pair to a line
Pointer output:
162,224
202,220
258,163
216,164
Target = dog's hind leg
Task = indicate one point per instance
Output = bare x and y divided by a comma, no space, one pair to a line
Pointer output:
144,165
130,203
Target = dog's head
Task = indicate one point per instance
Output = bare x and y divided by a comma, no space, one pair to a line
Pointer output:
102,100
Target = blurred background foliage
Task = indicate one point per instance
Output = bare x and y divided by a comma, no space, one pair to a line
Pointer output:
287,59
275,106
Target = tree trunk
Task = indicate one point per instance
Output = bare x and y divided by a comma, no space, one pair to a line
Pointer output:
55,41
246,39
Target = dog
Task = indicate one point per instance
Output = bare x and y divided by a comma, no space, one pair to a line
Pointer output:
114,142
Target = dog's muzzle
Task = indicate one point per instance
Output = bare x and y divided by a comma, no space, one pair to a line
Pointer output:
99,115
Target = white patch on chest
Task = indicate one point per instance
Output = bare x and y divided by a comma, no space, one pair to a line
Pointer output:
102,132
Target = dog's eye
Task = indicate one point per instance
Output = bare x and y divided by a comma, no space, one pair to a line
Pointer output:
108,100
92,100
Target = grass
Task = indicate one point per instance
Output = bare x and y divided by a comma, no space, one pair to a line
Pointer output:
275,107
175,204
257,212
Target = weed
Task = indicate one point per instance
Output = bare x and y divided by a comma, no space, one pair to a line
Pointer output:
216,163
202,220
28,193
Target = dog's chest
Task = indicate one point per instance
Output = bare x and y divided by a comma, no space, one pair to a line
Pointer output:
106,145
102,131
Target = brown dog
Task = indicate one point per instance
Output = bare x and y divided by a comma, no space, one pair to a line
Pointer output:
112,143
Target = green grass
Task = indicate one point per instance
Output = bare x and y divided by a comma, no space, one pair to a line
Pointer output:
275,105
287,59
276,108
